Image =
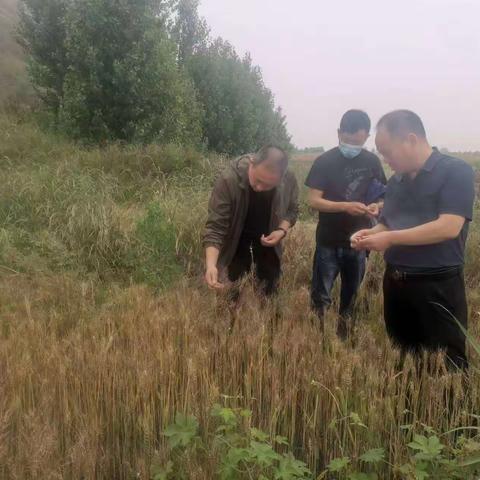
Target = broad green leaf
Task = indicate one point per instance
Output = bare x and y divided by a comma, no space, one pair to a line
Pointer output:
230,462
226,415
259,435
263,453
428,448
162,473
375,455
182,431
338,464
416,471
236,455
420,474
289,468
281,440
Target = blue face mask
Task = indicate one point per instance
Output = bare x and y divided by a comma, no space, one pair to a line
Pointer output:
350,151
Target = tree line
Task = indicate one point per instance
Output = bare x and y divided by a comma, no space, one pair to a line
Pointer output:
141,71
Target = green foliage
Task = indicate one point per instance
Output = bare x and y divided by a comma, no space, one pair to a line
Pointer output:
376,455
162,473
239,110
145,71
338,464
108,71
189,31
240,451
123,81
182,432
42,34
106,212
155,254
432,459
429,459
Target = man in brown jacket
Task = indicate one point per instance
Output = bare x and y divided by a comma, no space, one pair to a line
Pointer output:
253,205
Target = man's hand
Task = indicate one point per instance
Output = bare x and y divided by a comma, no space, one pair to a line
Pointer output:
378,242
357,237
211,277
273,239
355,209
374,209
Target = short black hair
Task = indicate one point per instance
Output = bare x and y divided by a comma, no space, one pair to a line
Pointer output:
355,120
400,123
264,153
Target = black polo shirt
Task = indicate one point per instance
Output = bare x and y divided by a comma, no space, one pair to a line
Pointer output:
445,185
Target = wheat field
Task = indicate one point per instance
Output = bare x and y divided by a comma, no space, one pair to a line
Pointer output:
95,360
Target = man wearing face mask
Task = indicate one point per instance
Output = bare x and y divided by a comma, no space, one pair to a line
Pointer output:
346,185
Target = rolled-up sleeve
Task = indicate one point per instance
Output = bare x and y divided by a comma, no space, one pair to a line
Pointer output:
219,215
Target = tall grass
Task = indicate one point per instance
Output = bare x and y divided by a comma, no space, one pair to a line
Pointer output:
94,362
87,211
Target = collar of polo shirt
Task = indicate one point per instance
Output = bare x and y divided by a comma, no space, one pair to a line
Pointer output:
428,166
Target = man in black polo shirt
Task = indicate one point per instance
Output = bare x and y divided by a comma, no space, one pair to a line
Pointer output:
423,229
346,185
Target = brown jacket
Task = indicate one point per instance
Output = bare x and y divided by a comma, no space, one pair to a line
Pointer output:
228,209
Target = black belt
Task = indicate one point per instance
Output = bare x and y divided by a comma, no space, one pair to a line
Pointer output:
400,275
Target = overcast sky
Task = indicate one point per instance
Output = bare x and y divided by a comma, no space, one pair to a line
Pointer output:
322,57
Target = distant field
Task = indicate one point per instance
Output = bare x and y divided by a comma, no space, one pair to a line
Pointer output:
305,157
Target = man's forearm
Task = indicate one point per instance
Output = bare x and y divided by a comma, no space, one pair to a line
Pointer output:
285,225
327,206
430,233
211,256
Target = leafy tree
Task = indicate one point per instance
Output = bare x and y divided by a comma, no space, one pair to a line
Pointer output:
144,71
123,81
240,114
118,77
190,31
42,34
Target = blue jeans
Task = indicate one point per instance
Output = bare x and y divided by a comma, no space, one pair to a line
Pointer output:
328,263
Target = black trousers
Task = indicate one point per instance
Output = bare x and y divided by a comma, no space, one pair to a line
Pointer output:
420,313
263,260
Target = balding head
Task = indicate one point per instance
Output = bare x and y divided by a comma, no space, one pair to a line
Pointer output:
267,168
402,141
401,123
274,156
